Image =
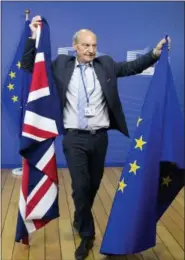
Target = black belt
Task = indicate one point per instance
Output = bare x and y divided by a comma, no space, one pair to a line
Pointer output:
92,132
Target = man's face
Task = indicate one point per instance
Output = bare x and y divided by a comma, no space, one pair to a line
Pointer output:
85,47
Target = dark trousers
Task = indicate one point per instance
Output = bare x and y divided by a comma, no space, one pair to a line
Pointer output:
85,155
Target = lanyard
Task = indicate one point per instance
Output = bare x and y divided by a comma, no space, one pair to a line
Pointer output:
85,89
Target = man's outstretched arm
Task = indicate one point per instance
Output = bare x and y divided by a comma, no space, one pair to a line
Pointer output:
137,66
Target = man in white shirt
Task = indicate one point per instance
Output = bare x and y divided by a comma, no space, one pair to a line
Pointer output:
90,104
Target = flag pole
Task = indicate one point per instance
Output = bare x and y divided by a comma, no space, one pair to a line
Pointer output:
27,12
18,171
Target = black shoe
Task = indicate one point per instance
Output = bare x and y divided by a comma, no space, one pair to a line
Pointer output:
83,250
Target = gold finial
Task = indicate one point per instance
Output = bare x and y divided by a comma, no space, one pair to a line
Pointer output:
27,12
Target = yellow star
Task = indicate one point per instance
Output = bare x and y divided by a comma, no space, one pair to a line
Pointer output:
12,74
134,167
15,99
10,86
139,120
166,181
140,143
122,185
18,64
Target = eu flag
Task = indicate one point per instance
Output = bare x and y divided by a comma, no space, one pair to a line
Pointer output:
15,90
153,171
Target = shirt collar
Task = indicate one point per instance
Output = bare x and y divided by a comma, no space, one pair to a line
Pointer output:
77,63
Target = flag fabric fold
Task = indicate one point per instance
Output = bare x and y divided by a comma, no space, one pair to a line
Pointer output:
42,123
153,172
15,90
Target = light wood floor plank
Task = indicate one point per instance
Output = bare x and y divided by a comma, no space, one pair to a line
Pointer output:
67,182
52,241
181,193
171,212
4,175
98,240
134,257
174,248
20,252
8,235
180,200
173,229
37,245
6,197
58,240
66,232
178,207
161,251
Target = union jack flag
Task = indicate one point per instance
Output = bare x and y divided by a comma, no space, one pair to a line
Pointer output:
38,202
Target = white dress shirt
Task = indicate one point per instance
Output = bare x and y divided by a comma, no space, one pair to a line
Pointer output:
96,99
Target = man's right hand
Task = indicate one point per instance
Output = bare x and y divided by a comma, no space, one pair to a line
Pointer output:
34,24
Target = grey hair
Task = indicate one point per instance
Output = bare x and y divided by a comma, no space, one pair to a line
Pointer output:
76,35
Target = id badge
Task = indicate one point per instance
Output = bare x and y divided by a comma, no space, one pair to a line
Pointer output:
90,111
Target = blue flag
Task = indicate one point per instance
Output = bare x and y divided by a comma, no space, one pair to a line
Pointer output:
15,90
153,171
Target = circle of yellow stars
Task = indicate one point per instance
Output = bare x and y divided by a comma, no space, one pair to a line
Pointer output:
11,86
134,166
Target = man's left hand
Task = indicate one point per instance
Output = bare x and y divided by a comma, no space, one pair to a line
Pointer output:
158,49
